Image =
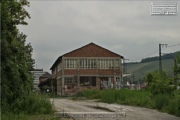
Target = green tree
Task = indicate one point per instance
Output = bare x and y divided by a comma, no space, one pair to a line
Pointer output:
16,80
176,68
159,83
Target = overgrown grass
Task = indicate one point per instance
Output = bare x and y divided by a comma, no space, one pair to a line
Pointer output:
164,102
90,94
22,116
128,97
174,104
32,106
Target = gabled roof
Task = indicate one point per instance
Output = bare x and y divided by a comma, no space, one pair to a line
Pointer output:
89,50
46,82
36,69
46,75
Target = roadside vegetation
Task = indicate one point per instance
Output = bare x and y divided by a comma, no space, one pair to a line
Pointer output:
169,103
160,94
18,101
11,116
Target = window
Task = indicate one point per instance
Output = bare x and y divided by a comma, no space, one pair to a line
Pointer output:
81,63
93,81
93,63
88,81
111,64
70,80
104,63
70,63
108,63
87,63
116,63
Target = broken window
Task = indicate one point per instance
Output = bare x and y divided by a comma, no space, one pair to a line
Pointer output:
88,81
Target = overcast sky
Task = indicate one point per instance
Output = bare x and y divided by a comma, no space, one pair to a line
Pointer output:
124,27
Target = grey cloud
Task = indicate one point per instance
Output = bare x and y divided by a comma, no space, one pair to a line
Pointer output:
124,27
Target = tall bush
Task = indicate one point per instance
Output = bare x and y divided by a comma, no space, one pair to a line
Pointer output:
16,58
159,83
16,80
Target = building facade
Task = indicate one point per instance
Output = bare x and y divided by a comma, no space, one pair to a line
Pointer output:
36,74
88,67
44,77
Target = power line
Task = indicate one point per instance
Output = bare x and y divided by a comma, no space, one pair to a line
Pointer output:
149,54
169,46
173,45
160,62
156,51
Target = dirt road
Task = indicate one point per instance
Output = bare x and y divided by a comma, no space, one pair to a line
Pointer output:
94,108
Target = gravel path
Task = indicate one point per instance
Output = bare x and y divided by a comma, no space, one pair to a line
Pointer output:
91,107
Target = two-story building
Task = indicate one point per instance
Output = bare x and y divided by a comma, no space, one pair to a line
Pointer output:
88,67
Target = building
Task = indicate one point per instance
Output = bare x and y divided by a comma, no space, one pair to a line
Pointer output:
88,67
46,83
44,77
36,74
48,86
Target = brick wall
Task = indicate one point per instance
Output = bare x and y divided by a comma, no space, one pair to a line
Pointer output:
105,72
70,72
91,72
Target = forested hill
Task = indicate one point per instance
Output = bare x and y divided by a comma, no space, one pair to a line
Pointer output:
164,57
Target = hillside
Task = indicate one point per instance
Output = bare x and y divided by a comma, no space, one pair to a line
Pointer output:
164,57
138,70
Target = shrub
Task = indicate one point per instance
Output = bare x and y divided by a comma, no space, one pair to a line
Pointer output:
90,94
165,102
161,101
108,96
174,105
159,83
32,104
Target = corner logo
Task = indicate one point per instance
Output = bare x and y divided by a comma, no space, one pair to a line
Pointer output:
164,8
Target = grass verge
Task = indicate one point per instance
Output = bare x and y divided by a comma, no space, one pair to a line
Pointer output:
163,102
33,107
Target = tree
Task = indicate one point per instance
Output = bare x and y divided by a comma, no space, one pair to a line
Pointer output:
159,83
16,55
176,69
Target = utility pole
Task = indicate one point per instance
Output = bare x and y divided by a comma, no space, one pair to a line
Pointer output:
175,72
160,63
